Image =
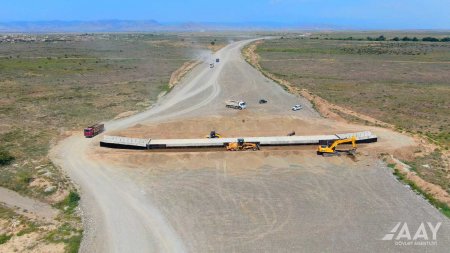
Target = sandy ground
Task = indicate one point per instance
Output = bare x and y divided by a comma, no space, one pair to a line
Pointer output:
282,200
248,125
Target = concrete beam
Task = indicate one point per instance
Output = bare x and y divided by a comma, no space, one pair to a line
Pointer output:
136,143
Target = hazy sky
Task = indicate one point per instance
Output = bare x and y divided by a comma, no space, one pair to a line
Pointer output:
392,14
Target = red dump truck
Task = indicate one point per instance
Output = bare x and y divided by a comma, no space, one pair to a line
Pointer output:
93,130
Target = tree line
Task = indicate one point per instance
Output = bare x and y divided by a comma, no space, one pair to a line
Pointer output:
406,38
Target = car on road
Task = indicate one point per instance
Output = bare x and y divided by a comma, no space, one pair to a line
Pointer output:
262,101
211,65
297,107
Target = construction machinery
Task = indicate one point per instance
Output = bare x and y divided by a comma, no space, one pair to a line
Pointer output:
235,104
93,130
213,135
329,150
241,145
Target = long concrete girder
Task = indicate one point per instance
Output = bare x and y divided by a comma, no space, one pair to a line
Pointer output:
137,143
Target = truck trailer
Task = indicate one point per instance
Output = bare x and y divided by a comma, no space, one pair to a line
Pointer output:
93,130
235,104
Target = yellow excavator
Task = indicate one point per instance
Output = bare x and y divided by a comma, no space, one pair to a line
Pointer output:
241,145
329,150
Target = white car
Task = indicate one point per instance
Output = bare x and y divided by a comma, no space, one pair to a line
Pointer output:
297,107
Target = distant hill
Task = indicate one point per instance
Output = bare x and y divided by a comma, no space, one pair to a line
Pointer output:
141,26
81,26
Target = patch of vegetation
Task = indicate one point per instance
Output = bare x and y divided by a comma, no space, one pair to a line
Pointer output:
431,168
69,203
441,206
73,244
165,87
68,235
6,213
314,105
31,227
300,50
385,48
5,157
379,38
49,88
383,38
404,84
391,165
4,238
440,137
9,214
430,39
353,119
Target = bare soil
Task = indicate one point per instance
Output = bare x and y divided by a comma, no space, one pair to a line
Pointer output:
287,200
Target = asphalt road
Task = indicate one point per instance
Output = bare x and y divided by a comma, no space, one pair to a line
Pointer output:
290,204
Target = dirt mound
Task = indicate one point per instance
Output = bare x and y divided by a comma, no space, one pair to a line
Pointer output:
231,127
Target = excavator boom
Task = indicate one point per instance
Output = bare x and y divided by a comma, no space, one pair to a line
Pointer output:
331,149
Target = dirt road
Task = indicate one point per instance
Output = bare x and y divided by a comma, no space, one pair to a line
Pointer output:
268,201
28,207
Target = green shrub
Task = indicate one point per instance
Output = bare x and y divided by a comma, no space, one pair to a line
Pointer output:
73,244
5,157
73,198
70,202
380,38
68,235
430,39
4,238
406,38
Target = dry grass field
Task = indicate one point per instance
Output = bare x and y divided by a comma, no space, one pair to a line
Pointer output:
49,88
402,83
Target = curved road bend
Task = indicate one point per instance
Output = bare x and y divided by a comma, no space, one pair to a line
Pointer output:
120,217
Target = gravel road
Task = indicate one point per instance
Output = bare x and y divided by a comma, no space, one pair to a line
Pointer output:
212,203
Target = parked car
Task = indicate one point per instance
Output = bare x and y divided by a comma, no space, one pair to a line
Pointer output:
262,101
297,107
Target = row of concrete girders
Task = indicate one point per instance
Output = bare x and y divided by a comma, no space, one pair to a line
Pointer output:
137,143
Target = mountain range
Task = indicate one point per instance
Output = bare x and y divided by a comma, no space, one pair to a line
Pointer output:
140,26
